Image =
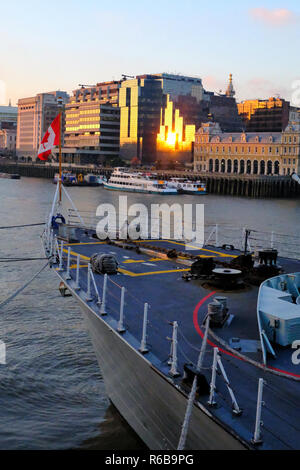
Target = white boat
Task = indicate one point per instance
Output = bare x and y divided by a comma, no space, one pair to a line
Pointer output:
124,180
185,186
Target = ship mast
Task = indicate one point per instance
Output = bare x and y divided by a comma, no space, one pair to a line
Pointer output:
60,105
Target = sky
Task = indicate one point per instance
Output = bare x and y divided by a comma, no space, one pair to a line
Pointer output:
59,44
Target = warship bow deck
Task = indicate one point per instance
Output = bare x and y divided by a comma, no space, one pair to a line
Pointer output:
139,384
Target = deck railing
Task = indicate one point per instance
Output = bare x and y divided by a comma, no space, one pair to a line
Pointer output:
218,235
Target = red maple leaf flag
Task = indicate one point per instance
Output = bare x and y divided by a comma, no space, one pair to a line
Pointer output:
50,139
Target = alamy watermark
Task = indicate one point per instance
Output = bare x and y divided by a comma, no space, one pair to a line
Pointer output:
295,99
182,222
2,92
2,353
296,354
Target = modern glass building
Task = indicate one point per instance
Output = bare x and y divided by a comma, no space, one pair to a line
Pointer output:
140,102
159,115
92,128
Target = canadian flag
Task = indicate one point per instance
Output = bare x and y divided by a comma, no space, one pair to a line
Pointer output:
50,139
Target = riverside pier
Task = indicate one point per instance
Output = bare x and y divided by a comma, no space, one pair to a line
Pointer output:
224,184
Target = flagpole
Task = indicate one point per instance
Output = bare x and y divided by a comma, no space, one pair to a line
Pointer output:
60,170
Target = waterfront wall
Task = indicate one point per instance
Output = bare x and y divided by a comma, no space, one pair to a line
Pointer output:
233,185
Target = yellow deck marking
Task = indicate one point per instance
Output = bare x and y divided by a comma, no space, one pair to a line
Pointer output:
87,243
223,255
130,273
74,266
142,260
75,254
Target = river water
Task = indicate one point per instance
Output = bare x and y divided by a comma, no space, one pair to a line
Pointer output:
52,395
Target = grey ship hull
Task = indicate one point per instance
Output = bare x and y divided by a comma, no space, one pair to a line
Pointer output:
148,401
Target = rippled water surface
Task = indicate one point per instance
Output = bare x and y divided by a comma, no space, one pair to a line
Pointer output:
52,395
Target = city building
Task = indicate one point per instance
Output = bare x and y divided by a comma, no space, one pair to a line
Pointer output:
252,153
290,149
8,139
159,114
92,124
140,102
35,114
270,115
8,117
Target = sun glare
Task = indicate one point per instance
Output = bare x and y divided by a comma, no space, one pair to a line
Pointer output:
171,139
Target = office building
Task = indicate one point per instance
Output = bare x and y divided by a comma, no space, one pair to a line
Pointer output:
92,124
270,115
159,114
8,117
35,115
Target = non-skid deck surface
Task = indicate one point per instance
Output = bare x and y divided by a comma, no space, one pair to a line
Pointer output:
159,282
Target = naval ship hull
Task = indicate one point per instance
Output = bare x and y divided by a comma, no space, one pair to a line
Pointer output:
148,401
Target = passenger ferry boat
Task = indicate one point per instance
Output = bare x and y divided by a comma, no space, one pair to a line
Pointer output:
124,180
185,186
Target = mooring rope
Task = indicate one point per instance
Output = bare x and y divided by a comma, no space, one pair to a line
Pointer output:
20,226
18,291
9,260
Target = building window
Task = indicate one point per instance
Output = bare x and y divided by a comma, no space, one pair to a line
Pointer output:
269,167
229,165
223,166
248,170
235,166
255,167
262,167
211,164
276,167
242,167
216,165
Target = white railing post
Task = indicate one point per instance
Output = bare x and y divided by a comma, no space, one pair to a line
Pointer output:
192,395
143,348
203,345
60,268
272,239
88,293
103,303
68,277
77,284
217,235
235,407
173,371
55,244
51,242
211,400
258,423
121,327
95,287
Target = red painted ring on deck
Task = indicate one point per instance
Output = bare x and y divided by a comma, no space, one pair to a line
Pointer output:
200,332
